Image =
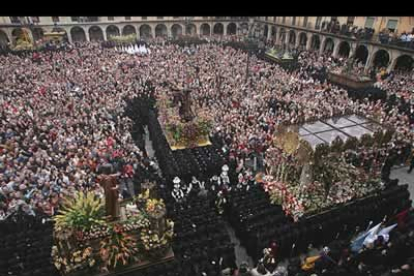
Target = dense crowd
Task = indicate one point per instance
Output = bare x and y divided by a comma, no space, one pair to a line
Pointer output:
63,113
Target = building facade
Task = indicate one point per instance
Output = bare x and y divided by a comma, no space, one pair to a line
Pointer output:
375,41
101,28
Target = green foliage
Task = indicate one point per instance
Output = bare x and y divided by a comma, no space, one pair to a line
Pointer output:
366,140
351,144
389,133
378,137
337,145
81,212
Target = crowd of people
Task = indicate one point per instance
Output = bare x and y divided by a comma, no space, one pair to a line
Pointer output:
63,112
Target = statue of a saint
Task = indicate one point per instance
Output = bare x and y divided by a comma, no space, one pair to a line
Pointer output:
110,184
184,100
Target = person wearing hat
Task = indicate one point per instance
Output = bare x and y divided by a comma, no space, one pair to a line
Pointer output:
177,193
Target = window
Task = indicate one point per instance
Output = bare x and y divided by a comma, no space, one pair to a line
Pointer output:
144,18
369,23
392,24
35,19
283,19
266,18
305,21
318,22
75,18
14,19
110,18
127,17
55,19
92,19
274,19
293,20
350,20
333,18
160,17
179,17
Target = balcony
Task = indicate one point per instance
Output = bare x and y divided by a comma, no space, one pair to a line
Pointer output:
362,34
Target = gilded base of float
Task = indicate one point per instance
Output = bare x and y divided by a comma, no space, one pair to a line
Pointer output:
201,141
349,81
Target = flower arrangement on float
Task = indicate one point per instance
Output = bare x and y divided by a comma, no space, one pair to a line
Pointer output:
85,242
303,180
179,133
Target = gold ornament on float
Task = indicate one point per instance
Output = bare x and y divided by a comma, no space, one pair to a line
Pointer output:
304,153
287,138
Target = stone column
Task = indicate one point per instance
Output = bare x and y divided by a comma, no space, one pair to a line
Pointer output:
70,37
87,35
224,29
138,33
269,33
336,49
105,36
322,45
309,43
153,31
369,62
392,65
287,37
352,49
297,41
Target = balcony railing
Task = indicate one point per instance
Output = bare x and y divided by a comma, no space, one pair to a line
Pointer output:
366,35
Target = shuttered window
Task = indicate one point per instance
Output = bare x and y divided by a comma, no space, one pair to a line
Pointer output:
392,24
369,23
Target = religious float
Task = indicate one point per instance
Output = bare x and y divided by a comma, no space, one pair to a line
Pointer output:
345,77
280,56
182,126
91,241
307,177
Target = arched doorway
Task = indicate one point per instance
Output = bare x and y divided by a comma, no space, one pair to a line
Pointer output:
344,49
404,63
37,33
381,59
266,31
292,37
232,29
145,31
218,29
191,29
303,39
77,34
4,39
361,54
129,30
161,30
176,30
205,29
315,42
273,34
96,34
112,30
329,45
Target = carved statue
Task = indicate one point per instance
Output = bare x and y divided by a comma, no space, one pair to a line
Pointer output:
110,184
185,102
